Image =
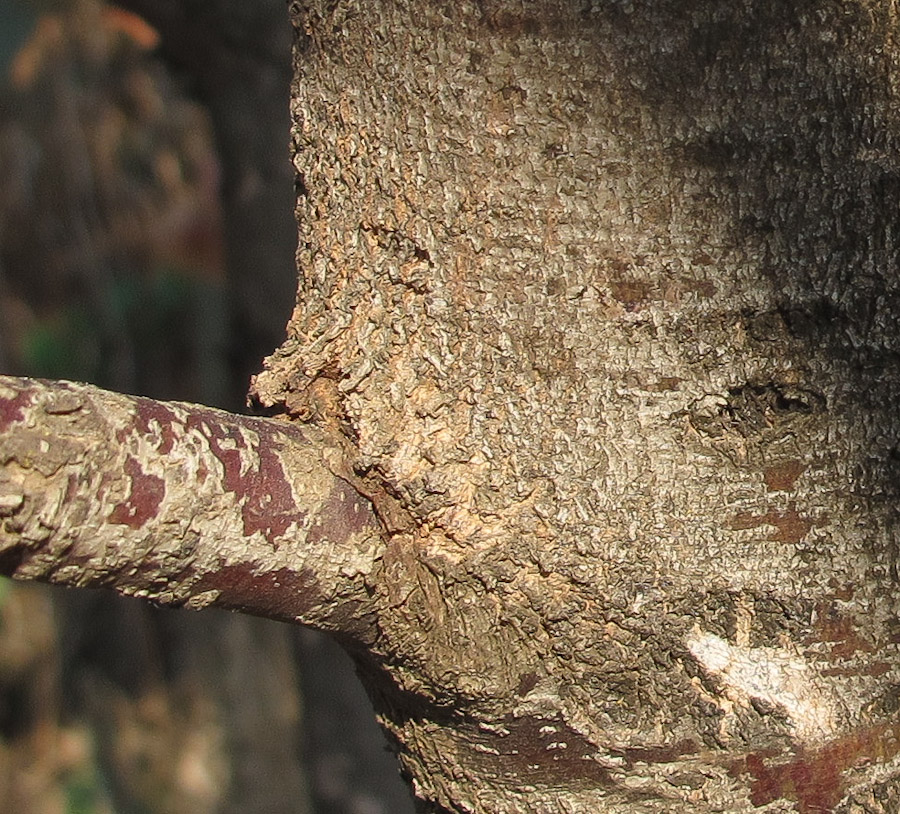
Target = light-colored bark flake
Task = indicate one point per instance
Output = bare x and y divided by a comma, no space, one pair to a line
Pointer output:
774,676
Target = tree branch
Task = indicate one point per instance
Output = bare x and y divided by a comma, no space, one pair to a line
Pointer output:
181,504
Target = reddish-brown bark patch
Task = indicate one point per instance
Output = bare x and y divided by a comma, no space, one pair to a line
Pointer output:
72,487
11,410
833,626
782,476
631,293
262,488
702,288
790,526
282,594
842,593
667,383
527,682
539,750
344,513
252,472
814,779
147,493
875,669
518,25
660,754
148,412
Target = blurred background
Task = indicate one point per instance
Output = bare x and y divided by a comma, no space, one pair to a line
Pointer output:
147,245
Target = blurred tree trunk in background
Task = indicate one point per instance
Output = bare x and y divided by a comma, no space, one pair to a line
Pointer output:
237,57
149,246
112,240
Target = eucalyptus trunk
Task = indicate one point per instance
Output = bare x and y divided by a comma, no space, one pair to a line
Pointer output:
596,326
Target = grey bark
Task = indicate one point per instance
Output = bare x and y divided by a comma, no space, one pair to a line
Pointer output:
596,310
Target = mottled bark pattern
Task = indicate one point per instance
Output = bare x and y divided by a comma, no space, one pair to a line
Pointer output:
604,296
181,504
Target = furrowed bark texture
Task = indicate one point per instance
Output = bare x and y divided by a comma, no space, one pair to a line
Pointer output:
604,296
181,504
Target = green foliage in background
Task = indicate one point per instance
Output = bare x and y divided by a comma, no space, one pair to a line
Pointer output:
140,324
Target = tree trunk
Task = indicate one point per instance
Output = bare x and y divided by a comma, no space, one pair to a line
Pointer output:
596,314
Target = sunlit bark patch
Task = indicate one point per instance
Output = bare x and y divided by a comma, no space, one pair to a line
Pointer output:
771,676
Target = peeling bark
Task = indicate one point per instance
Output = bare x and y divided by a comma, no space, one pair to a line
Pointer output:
183,505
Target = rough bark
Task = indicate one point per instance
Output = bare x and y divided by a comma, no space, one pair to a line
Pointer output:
596,308
604,295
